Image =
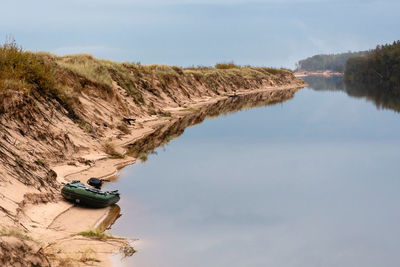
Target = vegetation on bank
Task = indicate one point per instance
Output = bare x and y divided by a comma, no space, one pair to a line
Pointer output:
63,79
332,62
24,70
98,234
136,78
14,232
379,69
33,75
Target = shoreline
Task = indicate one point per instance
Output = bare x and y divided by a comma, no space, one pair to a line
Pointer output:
96,118
323,73
103,166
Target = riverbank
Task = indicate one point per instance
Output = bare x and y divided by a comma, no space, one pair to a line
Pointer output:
104,167
78,128
322,73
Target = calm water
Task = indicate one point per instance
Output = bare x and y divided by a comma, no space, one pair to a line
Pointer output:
313,181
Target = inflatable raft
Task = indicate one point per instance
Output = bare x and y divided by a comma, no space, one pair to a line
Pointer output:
79,193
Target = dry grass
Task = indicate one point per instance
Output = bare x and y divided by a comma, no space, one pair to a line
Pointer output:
43,75
225,66
34,74
143,157
104,72
21,70
14,232
98,234
123,128
135,78
88,255
127,251
109,148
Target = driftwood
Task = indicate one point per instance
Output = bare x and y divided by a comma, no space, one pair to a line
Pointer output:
128,120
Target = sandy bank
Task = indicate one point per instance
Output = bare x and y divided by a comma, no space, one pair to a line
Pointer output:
84,131
63,216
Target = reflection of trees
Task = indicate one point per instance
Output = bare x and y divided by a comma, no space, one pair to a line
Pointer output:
320,83
382,97
165,133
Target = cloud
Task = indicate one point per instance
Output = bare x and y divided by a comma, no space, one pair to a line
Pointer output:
258,32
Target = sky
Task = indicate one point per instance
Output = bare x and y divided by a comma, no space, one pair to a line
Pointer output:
274,33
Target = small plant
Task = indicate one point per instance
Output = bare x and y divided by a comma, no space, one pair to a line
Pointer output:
14,232
88,255
143,157
39,162
152,111
164,113
127,250
84,125
109,148
123,128
66,261
97,234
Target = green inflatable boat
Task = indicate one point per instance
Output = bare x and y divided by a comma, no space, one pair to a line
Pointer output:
79,193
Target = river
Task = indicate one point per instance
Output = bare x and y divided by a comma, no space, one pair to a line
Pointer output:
312,181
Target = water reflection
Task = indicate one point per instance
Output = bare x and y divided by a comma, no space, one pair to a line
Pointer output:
383,98
320,83
165,133
113,214
312,182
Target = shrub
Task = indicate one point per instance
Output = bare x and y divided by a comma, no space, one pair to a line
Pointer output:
21,70
227,65
143,157
34,74
39,162
109,148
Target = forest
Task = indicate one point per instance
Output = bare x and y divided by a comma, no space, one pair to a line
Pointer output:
378,68
332,62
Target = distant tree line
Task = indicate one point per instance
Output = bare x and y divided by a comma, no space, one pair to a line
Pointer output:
383,99
378,69
332,62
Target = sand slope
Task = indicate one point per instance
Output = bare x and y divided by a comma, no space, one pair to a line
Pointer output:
42,147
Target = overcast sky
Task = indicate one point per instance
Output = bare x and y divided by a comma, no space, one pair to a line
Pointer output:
201,32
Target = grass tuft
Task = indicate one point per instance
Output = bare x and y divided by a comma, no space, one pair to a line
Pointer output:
109,148
14,232
143,157
227,65
97,234
88,255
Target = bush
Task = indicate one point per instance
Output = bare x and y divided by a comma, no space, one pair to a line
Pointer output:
109,148
34,75
21,70
228,65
